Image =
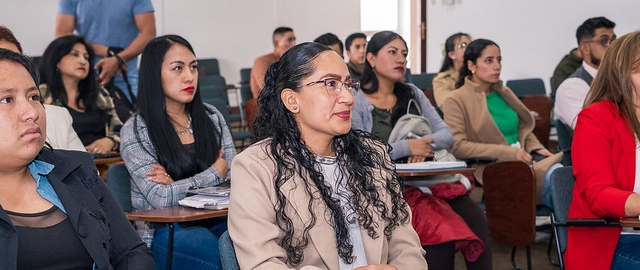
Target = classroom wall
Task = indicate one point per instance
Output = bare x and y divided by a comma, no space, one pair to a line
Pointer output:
234,31
533,35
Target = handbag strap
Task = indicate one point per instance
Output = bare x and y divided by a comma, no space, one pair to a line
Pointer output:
415,103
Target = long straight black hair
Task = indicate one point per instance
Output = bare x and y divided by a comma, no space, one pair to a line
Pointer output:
172,155
88,89
403,91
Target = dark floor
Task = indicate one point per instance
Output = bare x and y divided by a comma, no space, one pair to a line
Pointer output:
502,257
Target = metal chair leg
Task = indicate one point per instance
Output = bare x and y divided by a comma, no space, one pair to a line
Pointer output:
170,246
513,258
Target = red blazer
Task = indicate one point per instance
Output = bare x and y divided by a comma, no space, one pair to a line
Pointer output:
604,163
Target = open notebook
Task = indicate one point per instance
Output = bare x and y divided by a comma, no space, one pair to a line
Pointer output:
430,165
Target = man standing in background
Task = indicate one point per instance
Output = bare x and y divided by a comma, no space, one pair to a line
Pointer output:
283,39
118,31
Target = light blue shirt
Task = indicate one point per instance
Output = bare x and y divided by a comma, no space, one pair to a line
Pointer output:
39,170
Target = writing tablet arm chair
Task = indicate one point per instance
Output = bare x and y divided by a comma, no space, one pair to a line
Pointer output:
562,181
541,104
510,199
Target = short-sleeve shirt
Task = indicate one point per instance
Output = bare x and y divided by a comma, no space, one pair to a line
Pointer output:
106,22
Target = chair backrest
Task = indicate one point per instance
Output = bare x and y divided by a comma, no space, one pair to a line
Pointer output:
245,75
565,138
527,87
119,183
213,87
541,104
423,80
208,66
220,105
227,252
510,199
562,181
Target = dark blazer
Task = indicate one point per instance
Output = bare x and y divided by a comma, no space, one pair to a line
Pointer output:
99,221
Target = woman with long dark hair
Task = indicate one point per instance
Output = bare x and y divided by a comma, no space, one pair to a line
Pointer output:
448,222
312,192
173,143
445,81
69,80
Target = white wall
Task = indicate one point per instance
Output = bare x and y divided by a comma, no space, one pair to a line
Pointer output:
234,31
533,35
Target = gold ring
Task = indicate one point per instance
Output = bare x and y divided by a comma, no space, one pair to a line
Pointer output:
167,175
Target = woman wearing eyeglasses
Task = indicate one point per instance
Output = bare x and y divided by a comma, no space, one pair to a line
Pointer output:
445,81
445,224
312,193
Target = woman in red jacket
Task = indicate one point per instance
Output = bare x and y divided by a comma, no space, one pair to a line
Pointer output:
605,164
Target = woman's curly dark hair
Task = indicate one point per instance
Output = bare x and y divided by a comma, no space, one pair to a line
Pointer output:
361,161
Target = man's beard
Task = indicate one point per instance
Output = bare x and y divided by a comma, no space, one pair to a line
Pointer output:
595,61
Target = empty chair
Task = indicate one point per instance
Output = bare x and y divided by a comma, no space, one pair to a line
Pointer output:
527,87
423,80
510,200
241,136
562,181
541,104
215,86
208,66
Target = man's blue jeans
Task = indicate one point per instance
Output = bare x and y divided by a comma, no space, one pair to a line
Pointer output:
194,247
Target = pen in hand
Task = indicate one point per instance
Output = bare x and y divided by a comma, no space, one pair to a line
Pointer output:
412,135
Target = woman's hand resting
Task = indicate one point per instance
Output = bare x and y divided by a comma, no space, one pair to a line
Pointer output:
221,164
421,147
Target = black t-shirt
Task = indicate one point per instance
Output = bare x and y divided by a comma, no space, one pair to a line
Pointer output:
47,240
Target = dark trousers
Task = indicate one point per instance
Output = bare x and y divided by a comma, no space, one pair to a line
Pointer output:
442,256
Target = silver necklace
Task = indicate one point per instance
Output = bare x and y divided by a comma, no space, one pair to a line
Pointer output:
187,129
326,160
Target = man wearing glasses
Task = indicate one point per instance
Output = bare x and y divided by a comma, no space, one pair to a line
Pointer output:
594,37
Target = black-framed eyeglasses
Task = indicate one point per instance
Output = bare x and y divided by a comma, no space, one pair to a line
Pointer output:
462,45
334,86
604,41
